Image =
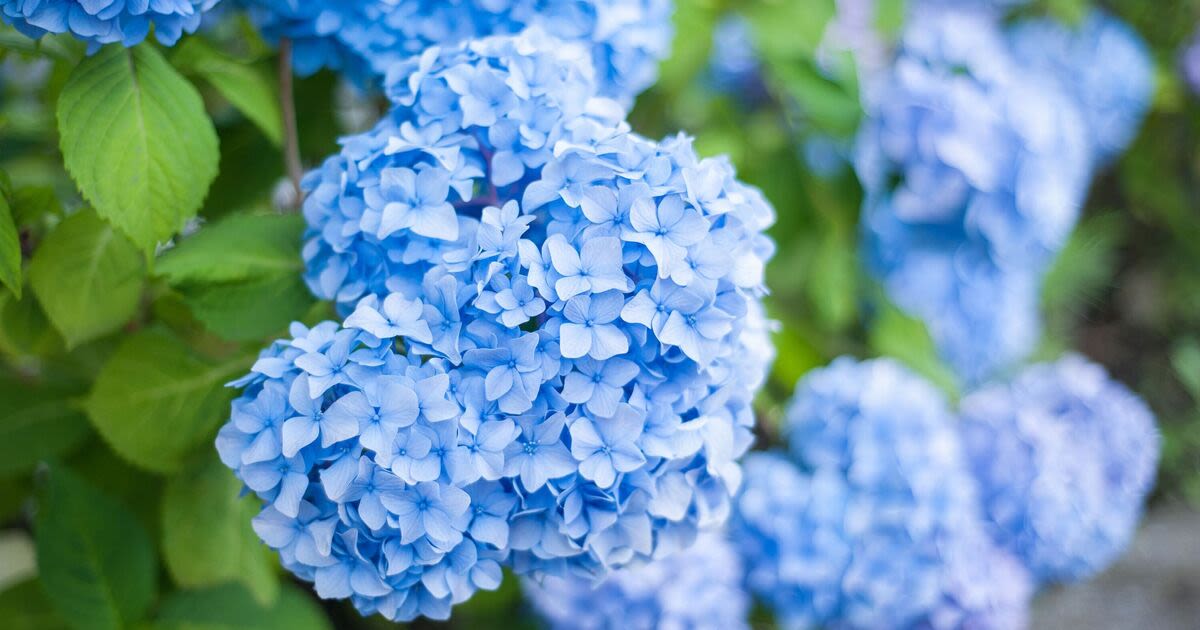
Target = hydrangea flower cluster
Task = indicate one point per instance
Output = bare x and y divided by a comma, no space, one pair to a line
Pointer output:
696,589
975,171
1065,458
1103,64
364,38
99,23
734,67
547,361
874,523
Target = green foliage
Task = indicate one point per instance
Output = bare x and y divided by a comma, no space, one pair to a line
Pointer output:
25,607
10,249
137,141
39,422
245,85
231,607
155,400
88,278
206,534
94,559
242,277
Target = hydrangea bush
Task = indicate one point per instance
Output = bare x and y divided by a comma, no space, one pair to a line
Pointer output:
875,523
697,589
365,38
545,361
1065,457
974,171
101,22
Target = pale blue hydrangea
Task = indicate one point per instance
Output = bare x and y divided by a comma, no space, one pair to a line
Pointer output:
696,589
875,524
1065,458
100,22
734,67
1103,64
547,361
974,173
1189,61
364,38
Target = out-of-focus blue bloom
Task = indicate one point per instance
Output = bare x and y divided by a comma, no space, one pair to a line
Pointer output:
525,382
696,589
99,22
975,171
876,523
1103,64
1189,61
1065,458
734,67
364,38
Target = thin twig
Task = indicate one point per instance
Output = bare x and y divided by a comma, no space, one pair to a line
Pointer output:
291,137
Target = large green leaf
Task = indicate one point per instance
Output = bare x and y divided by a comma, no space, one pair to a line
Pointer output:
24,607
252,309
137,141
10,250
155,400
36,423
245,85
231,607
94,559
88,277
240,247
206,535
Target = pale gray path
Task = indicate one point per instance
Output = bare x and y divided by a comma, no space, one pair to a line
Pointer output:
1155,586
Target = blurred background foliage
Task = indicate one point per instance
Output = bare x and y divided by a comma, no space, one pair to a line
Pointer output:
120,380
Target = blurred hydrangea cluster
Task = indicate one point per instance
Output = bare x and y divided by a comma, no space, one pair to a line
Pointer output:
548,360
696,589
111,22
364,38
974,171
1103,64
1065,458
873,522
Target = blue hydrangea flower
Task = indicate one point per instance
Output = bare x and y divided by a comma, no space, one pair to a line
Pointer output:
99,23
553,338
1103,64
364,38
1065,458
696,589
974,173
876,523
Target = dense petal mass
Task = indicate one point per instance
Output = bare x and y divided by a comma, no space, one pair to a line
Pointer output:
875,521
499,395
99,23
696,589
1103,64
1065,458
975,170
363,38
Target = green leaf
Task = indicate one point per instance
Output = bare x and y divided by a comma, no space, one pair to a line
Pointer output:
245,85
241,247
249,310
137,141
154,400
38,423
10,250
24,607
832,282
1185,358
24,329
88,278
94,559
207,538
231,607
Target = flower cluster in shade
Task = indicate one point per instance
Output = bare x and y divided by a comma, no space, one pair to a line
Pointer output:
697,589
364,38
100,22
871,520
552,339
975,170
1065,457
1102,64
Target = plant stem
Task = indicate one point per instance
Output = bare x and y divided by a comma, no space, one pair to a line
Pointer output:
291,137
